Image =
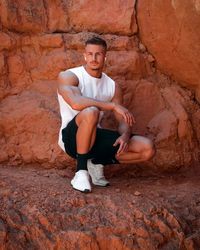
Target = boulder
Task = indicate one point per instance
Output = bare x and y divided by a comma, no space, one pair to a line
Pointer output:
170,31
26,129
103,17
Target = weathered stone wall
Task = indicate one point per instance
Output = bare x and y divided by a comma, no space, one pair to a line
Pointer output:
37,41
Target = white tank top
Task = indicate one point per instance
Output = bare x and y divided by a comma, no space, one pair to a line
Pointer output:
101,89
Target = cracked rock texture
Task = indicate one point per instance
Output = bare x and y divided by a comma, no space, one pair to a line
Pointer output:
37,41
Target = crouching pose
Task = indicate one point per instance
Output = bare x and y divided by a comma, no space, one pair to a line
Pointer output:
84,93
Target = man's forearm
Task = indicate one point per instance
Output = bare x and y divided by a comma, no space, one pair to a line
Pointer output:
73,97
124,129
82,102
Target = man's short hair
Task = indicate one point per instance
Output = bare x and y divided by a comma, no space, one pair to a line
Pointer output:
97,41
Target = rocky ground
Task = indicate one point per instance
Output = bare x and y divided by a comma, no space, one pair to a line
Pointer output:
140,210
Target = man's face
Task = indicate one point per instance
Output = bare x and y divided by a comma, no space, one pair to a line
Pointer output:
95,56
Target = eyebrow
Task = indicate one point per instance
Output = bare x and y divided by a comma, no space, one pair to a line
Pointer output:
90,52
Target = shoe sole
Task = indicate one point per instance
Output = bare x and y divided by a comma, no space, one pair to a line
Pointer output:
100,185
84,191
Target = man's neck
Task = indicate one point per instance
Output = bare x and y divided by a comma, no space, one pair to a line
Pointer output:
97,73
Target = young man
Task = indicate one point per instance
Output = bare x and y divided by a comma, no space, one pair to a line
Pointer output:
84,93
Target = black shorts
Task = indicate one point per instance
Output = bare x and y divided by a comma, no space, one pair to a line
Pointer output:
103,147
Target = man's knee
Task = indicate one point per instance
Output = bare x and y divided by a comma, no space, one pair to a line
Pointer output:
91,114
149,150
144,146
148,154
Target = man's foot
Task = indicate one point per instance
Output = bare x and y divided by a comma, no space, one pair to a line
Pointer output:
81,181
96,173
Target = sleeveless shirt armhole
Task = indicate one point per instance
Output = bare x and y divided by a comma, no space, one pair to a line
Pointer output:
76,74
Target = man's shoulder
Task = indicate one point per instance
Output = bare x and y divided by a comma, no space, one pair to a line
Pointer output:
108,78
70,72
68,76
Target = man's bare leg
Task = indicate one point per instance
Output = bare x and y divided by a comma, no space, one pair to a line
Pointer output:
87,124
86,121
140,149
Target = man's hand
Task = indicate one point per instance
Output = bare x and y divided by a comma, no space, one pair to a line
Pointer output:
128,117
122,141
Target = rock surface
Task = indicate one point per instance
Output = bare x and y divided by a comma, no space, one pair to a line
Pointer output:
69,16
169,29
39,210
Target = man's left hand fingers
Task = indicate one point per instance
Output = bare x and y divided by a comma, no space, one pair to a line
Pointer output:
122,148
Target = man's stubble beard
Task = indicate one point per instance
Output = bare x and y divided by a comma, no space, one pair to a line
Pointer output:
98,68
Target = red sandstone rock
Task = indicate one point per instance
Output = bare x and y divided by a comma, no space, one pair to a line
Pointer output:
169,29
118,17
57,15
26,16
175,100
172,125
114,42
163,125
196,123
24,123
51,41
17,74
6,42
23,16
146,103
2,65
51,64
132,64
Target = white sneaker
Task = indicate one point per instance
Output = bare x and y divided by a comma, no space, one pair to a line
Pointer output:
96,173
81,181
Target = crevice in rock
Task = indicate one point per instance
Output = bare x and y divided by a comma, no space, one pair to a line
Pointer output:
47,14
136,17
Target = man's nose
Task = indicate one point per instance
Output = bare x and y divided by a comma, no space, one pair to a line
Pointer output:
94,57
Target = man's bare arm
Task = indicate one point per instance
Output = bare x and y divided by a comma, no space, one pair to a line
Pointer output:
68,88
124,124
